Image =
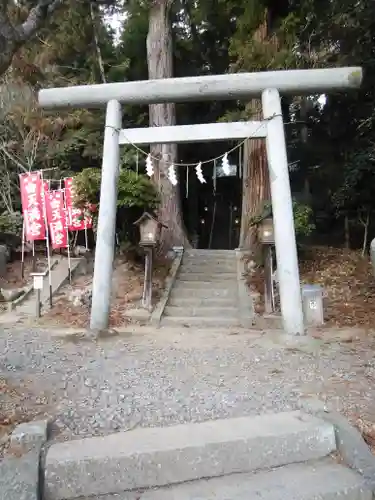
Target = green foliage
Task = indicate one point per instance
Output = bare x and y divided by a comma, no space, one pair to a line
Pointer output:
303,223
303,217
134,190
11,223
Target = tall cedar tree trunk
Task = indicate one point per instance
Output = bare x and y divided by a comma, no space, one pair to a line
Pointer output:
14,36
160,65
255,177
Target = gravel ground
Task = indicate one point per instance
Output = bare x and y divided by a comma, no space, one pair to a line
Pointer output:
166,378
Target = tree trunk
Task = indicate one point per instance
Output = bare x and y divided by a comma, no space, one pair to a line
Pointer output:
346,232
366,223
94,21
255,188
160,65
304,140
255,178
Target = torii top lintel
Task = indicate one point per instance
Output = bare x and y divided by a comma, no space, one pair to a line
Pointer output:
203,88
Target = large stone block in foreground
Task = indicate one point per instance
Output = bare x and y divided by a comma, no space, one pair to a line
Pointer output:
144,458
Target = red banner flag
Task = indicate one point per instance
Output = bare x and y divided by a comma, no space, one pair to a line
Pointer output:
77,220
56,218
32,206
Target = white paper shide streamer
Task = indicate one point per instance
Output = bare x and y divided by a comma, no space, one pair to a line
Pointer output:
172,175
149,166
225,164
198,170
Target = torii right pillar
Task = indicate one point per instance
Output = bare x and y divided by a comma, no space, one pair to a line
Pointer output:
282,209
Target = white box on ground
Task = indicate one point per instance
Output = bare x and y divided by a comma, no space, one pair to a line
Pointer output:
312,303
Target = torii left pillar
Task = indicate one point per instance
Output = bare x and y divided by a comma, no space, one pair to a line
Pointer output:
106,231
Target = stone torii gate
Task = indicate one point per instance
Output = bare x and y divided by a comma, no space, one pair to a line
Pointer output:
268,86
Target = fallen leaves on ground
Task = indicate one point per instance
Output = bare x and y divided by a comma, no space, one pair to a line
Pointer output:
12,411
367,429
349,282
347,279
127,293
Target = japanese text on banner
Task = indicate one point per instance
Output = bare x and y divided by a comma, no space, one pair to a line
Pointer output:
32,206
77,220
56,218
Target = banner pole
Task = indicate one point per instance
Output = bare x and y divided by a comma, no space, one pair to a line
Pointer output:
34,258
47,242
67,235
23,250
86,241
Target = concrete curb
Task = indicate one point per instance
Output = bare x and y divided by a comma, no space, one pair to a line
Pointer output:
158,311
350,444
20,477
245,301
20,300
152,457
75,264
12,305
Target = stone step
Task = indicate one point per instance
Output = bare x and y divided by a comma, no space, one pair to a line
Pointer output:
155,457
202,312
208,271
190,276
199,302
208,285
197,253
208,262
186,290
323,480
199,322
209,257
214,266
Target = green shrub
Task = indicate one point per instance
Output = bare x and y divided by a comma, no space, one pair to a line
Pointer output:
136,193
11,223
134,190
303,222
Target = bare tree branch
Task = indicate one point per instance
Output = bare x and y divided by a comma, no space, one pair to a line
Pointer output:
12,38
97,44
12,158
37,17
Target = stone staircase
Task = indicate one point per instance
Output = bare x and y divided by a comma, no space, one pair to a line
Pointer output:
282,456
207,292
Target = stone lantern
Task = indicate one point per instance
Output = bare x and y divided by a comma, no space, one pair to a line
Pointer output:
149,229
265,232
267,238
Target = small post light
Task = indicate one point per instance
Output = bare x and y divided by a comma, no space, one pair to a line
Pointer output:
266,232
267,238
38,287
149,229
